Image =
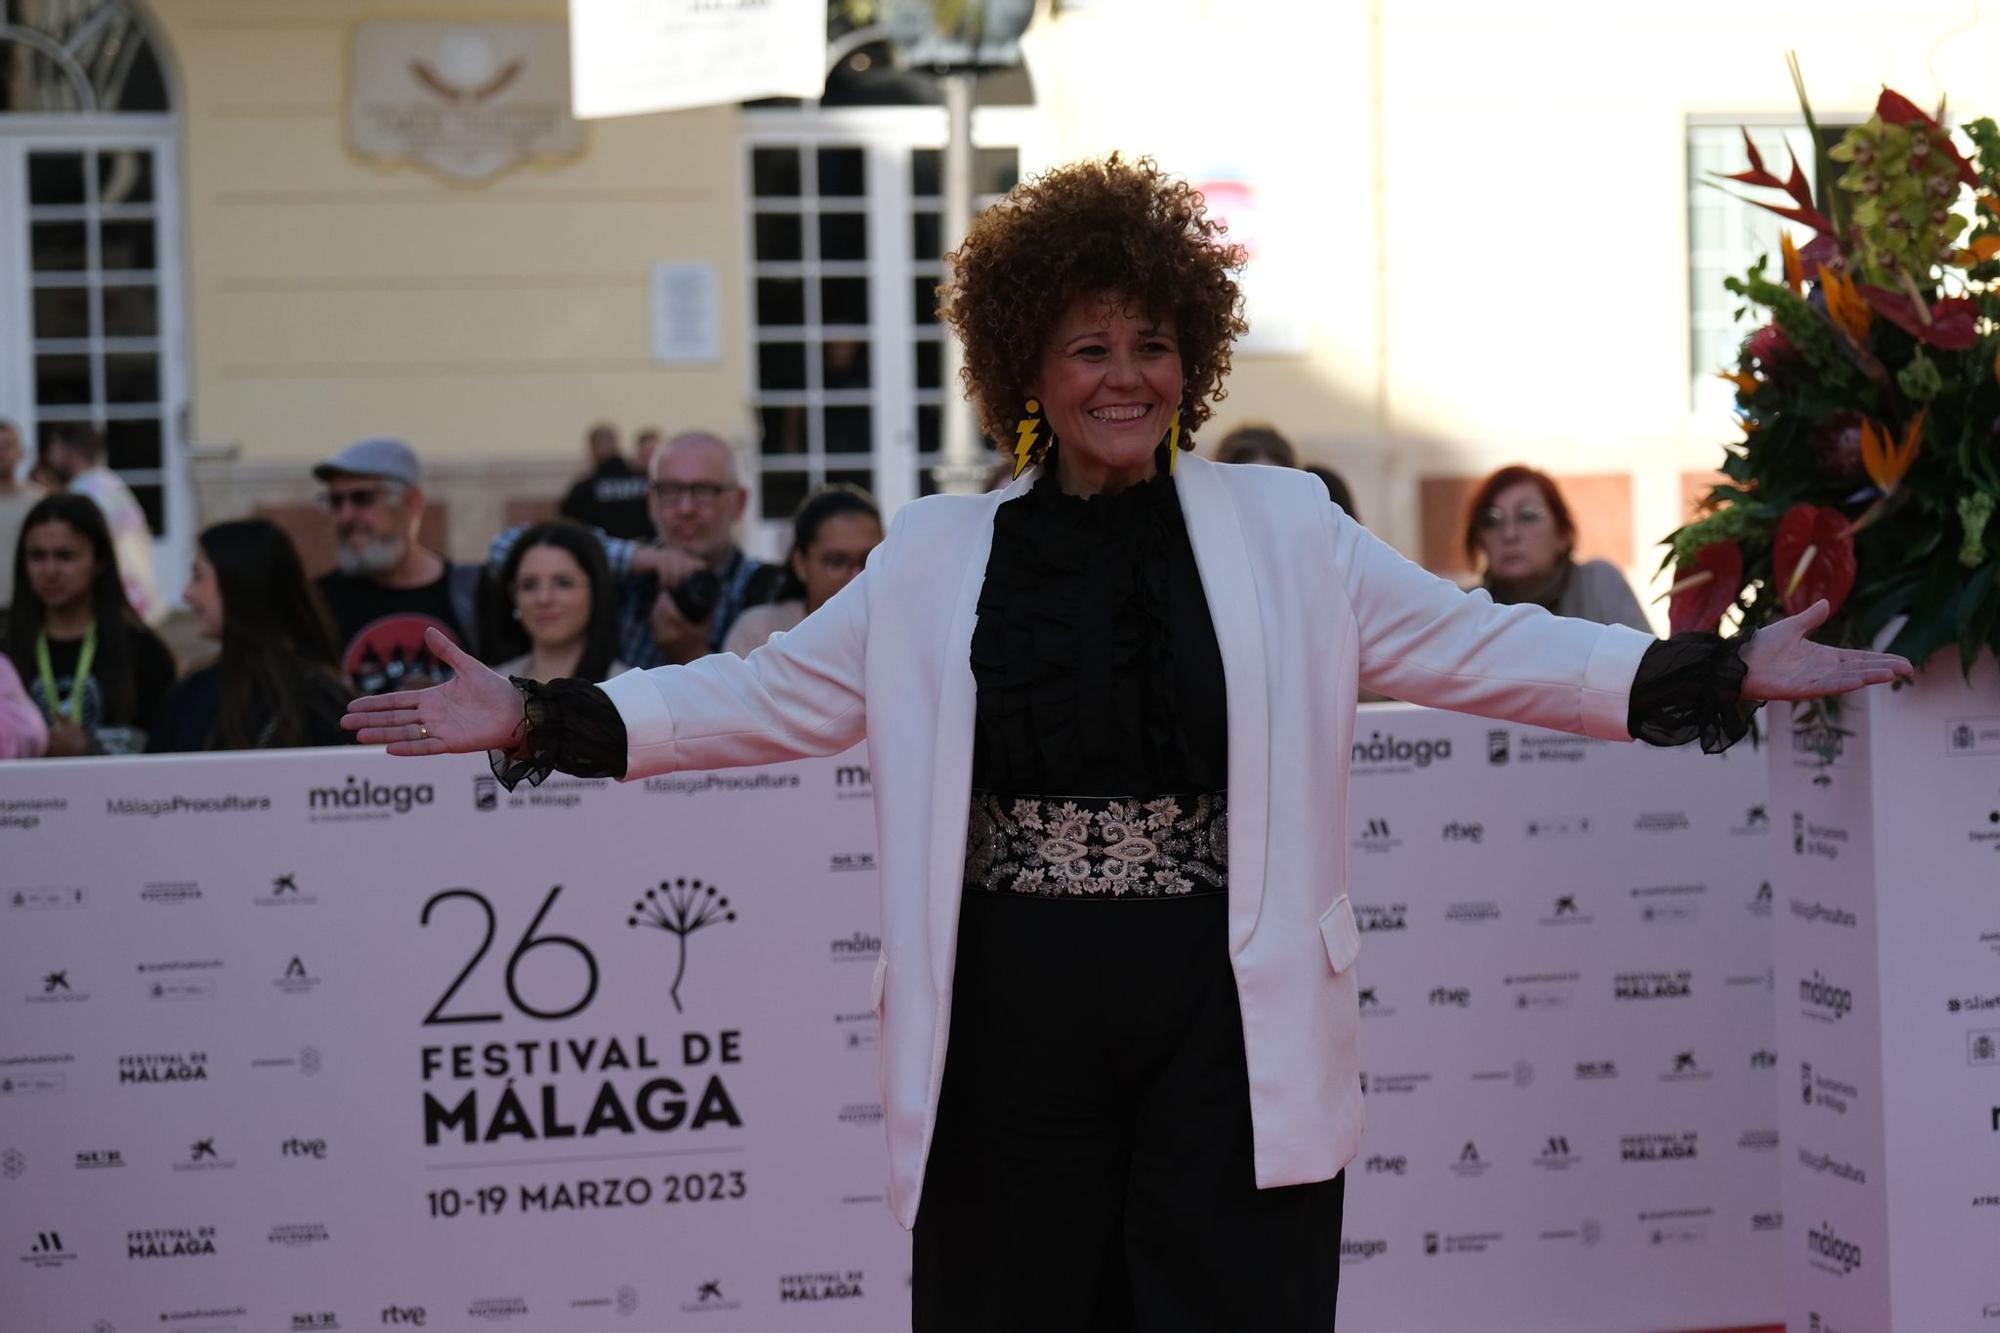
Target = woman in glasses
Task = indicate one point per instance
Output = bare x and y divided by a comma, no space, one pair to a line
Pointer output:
832,534
1519,534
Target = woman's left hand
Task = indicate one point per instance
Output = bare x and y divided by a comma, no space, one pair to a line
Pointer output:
1782,663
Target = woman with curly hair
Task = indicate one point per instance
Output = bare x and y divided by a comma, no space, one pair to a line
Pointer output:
1110,710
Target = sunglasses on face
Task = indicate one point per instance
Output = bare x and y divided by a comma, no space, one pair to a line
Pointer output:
361,497
1527,516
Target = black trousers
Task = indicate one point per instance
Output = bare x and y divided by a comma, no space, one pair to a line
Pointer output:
1091,1167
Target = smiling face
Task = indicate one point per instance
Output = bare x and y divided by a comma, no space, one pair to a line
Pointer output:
552,593
1519,534
1109,383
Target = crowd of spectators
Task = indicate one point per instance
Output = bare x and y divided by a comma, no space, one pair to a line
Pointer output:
642,568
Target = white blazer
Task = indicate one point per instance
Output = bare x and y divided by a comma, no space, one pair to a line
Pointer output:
1307,607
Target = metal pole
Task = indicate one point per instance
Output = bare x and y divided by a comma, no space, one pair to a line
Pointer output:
965,463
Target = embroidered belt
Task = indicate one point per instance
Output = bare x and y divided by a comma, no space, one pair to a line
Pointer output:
1084,847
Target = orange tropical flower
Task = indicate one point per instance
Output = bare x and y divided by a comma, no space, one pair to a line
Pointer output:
1887,458
1746,383
1845,305
1795,269
1977,251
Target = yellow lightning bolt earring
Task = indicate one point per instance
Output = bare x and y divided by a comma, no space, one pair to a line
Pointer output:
1173,441
1027,434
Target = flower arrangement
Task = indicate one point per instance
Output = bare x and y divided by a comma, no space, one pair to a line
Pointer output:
1869,470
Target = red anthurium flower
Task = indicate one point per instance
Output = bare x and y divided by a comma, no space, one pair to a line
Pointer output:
1812,557
1953,323
1706,589
1896,109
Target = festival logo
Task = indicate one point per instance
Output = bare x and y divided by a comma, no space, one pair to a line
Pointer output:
1451,997
1372,1004
850,863
1464,831
1675,985
1769,1220
1814,912
1758,1140
1661,821
1371,917
1498,750
1972,1004
315,1321
26,812
1467,1242
1682,1147
809,1288
624,1299
149,1068
1596,1071
306,1060
1831,1094
13,1164
405,1316
1558,826
1386,1165
171,1243
1392,1085
1676,1227
853,782
1587,1234
98,1159
680,908
497,1309
1521,1074
1660,903
309,1149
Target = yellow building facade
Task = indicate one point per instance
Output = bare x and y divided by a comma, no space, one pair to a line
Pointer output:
1480,235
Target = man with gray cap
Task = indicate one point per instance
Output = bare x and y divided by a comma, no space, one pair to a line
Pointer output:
390,588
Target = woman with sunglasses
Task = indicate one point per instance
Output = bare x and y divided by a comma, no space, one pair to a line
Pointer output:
1519,534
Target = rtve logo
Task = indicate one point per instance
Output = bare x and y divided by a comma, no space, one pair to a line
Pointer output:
410,1316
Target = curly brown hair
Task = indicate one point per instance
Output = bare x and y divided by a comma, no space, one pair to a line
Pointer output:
1105,227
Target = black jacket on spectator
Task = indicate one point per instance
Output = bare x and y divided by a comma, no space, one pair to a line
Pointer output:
187,719
380,631
611,498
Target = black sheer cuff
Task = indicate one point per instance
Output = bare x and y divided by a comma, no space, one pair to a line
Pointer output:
1689,687
569,726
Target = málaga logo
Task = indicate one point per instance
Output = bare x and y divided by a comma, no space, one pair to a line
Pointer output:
359,798
680,908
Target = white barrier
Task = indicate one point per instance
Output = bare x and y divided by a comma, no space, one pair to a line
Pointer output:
328,1040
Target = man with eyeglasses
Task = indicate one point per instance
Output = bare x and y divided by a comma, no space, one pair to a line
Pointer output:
678,598
389,587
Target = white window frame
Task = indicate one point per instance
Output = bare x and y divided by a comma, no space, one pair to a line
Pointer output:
159,135
887,136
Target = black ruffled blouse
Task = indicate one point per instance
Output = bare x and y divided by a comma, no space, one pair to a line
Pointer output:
1097,666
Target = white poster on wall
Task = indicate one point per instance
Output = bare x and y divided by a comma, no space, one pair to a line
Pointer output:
687,314
634,56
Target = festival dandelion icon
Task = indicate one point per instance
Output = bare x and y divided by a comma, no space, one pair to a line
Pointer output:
680,908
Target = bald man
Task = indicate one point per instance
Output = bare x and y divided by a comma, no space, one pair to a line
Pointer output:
678,596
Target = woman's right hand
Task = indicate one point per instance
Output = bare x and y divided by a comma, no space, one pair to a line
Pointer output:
477,709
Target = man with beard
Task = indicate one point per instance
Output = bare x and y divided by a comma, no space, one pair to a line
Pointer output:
389,588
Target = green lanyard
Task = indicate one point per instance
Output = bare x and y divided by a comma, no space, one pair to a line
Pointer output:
72,711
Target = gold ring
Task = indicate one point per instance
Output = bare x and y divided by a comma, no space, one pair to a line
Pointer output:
423,732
